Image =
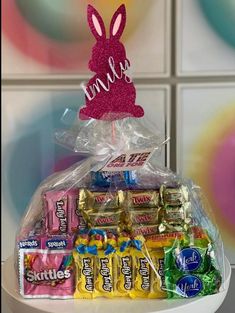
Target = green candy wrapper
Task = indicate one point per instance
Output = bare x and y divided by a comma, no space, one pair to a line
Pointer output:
189,259
192,285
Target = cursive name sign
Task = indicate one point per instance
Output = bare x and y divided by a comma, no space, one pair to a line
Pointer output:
92,89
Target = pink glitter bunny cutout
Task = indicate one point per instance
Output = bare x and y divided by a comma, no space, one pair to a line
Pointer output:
110,94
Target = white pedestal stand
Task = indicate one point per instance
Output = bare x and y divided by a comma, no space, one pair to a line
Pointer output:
17,304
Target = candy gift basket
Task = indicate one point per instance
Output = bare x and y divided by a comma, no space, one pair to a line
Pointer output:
116,224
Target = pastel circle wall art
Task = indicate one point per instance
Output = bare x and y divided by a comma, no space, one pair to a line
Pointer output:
55,32
31,153
221,16
214,170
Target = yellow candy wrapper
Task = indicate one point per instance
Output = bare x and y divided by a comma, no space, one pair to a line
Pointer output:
157,281
141,272
124,270
84,279
164,240
104,278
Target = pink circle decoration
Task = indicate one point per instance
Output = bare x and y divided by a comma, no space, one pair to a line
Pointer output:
223,178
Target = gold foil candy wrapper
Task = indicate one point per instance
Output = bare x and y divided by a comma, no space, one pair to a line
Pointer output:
105,218
173,214
104,275
171,228
145,230
142,199
142,275
175,218
94,201
144,216
174,196
84,277
157,286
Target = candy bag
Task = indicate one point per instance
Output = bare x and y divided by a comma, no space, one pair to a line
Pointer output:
116,223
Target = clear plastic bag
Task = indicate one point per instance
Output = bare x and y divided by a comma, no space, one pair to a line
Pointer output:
139,231
142,233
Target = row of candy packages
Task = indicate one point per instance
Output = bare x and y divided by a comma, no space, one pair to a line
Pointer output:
110,265
105,263
46,266
64,212
143,211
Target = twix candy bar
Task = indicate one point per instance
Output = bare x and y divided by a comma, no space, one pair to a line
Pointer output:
142,198
92,201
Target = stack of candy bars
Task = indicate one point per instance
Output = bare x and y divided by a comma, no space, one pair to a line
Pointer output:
101,242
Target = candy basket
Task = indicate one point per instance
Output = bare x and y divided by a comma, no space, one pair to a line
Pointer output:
116,225
17,304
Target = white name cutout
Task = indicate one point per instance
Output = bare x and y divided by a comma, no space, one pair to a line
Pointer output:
129,160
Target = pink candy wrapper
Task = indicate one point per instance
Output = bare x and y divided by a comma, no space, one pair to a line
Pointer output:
56,212
61,215
73,214
46,274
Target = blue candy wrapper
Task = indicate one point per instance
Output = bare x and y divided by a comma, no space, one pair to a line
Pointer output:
105,179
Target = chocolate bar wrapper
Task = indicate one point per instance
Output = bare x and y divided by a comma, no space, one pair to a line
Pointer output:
142,198
145,230
174,196
191,285
105,218
189,259
94,201
144,216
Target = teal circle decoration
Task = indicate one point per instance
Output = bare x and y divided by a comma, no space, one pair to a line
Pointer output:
221,16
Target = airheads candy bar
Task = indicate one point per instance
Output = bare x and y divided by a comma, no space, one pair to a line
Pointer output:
46,274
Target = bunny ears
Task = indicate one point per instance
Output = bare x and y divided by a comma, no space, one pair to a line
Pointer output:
97,27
